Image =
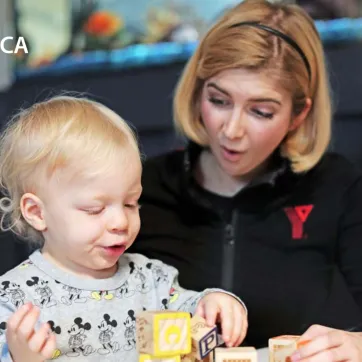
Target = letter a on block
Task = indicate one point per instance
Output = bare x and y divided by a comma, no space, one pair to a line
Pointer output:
163,334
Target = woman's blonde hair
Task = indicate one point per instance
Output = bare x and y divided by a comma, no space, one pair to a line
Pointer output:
59,132
226,46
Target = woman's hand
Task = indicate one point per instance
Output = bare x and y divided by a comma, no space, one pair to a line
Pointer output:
329,345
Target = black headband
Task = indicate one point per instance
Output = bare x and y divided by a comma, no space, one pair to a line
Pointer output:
281,35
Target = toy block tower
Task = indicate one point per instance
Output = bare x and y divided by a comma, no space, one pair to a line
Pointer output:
163,334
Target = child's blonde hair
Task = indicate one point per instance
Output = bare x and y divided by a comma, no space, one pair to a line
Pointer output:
59,132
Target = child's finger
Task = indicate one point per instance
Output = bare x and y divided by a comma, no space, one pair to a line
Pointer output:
200,310
211,310
49,347
238,326
242,335
227,324
16,319
26,327
38,340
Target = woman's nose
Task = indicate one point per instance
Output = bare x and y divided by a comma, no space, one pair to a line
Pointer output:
234,127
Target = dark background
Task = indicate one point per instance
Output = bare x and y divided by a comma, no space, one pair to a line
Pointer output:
143,96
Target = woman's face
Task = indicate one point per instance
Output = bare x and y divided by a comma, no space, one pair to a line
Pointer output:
246,116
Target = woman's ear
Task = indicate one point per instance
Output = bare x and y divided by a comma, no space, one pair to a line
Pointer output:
32,209
300,118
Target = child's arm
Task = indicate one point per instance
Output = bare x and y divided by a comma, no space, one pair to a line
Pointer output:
212,304
22,342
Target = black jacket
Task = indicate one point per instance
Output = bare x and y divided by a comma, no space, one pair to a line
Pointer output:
290,246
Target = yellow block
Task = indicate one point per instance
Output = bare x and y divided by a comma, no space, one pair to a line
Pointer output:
163,334
149,358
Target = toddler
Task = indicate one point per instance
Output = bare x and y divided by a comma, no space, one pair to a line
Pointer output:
70,170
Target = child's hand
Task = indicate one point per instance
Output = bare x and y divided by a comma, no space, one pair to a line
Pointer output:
231,313
25,344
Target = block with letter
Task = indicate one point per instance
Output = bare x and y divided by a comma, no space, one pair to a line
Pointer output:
149,358
191,358
188,358
236,354
163,333
210,357
283,352
282,347
204,338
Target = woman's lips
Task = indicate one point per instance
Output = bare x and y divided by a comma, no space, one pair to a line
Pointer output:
231,155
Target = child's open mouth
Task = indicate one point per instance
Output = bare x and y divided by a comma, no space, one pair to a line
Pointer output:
115,250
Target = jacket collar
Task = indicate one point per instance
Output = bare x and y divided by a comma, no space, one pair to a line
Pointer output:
279,167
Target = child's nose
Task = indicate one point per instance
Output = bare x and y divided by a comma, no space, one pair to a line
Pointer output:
118,221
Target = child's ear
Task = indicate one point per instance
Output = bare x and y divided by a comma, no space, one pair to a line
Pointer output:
32,209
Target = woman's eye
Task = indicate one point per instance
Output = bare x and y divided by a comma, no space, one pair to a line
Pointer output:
217,101
261,114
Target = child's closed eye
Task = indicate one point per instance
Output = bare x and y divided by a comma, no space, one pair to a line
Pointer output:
95,211
133,205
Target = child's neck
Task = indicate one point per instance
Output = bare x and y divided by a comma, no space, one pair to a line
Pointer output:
78,270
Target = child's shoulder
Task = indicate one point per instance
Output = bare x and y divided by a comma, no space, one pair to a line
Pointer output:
21,269
142,260
17,278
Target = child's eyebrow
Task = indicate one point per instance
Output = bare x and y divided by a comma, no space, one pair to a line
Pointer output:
105,197
137,191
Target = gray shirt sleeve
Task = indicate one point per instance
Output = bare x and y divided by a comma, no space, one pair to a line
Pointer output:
6,310
178,298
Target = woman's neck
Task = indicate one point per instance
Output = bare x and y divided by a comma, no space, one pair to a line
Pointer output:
213,178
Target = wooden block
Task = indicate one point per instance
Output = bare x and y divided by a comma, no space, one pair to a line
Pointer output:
236,354
191,358
283,354
188,358
149,358
210,357
163,334
281,342
204,338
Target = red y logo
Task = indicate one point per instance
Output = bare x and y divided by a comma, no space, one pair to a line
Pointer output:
297,216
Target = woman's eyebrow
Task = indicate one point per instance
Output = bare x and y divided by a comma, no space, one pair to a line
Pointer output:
266,100
256,99
214,85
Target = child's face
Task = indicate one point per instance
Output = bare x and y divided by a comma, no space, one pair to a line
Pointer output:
90,221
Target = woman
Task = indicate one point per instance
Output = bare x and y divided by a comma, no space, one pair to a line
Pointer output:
255,204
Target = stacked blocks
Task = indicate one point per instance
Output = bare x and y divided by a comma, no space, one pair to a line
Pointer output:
165,336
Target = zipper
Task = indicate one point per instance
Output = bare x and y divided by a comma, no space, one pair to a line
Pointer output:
228,258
